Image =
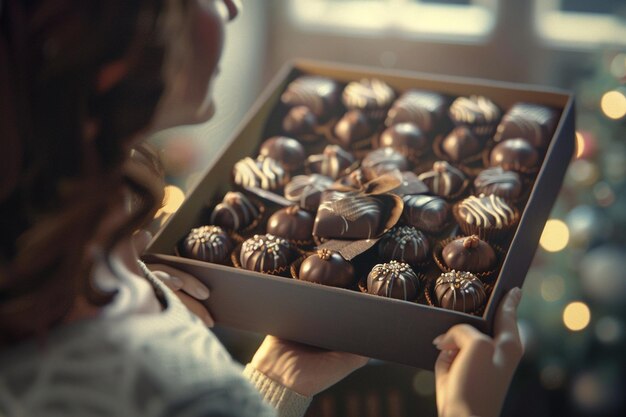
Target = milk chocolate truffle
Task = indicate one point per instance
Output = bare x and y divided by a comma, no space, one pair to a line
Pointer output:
405,138
306,190
505,184
460,144
372,96
300,121
333,162
348,215
327,267
267,174
320,94
351,128
484,213
478,113
514,155
291,223
460,291
381,161
266,253
235,212
469,253
428,213
533,122
207,243
404,244
286,151
426,109
444,179
393,280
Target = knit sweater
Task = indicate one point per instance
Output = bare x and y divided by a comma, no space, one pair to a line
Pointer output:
136,359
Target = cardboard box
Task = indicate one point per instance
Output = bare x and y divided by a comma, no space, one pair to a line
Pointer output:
344,320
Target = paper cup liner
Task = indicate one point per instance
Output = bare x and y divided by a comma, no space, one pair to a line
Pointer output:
524,171
489,234
294,270
485,276
281,272
431,299
362,286
465,162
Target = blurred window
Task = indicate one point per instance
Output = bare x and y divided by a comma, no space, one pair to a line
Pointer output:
458,20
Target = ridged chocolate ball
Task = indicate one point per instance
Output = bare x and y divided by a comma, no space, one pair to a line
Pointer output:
328,268
207,243
266,253
460,291
393,280
404,244
235,212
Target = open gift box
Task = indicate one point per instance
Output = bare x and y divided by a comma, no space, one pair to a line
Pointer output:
344,320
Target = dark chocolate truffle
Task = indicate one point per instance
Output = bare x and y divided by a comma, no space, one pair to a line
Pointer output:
267,174
300,121
505,184
292,224
306,190
460,291
393,280
405,138
444,179
404,244
533,122
485,212
352,127
348,215
381,161
266,253
286,151
320,94
469,253
425,109
372,96
235,212
333,162
478,113
460,144
514,155
328,268
207,243
410,185
427,213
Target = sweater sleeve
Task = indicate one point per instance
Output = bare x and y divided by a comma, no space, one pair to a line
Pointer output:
287,402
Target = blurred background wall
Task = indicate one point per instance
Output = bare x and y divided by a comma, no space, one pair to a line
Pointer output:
573,314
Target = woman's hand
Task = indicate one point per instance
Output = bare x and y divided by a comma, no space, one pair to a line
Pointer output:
473,371
304,369
188,288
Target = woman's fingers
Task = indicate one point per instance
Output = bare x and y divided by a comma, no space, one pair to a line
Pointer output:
196,308
173,282
191,285
507,338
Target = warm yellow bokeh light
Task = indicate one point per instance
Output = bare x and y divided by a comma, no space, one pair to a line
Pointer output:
613,104
576,316
173,198
580,145
555,236
553,288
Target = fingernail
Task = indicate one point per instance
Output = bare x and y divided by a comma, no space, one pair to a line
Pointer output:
176,282
516,293
200,292
437,340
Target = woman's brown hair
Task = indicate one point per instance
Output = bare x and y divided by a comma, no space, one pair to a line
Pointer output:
80,81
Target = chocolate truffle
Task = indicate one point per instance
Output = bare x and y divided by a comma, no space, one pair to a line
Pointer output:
207,243
533,122
286,151
267,174
410,185
381,161
514,155
351,128
444,179
478,113
328,268
333,162
292,224
393,280
306,190
348,215
266,253
426,109
300,121
235,212
404,244
372,96
405,138
460,144
427,213
469,253
505,184
320,94
460,291
485,212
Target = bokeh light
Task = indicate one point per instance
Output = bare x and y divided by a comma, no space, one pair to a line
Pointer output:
576,316
583,172
424,383
173,199
555,236
552,376
618,66
608,330
613,104
552,288
580,145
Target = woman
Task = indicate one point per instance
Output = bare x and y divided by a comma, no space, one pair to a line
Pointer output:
84,329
